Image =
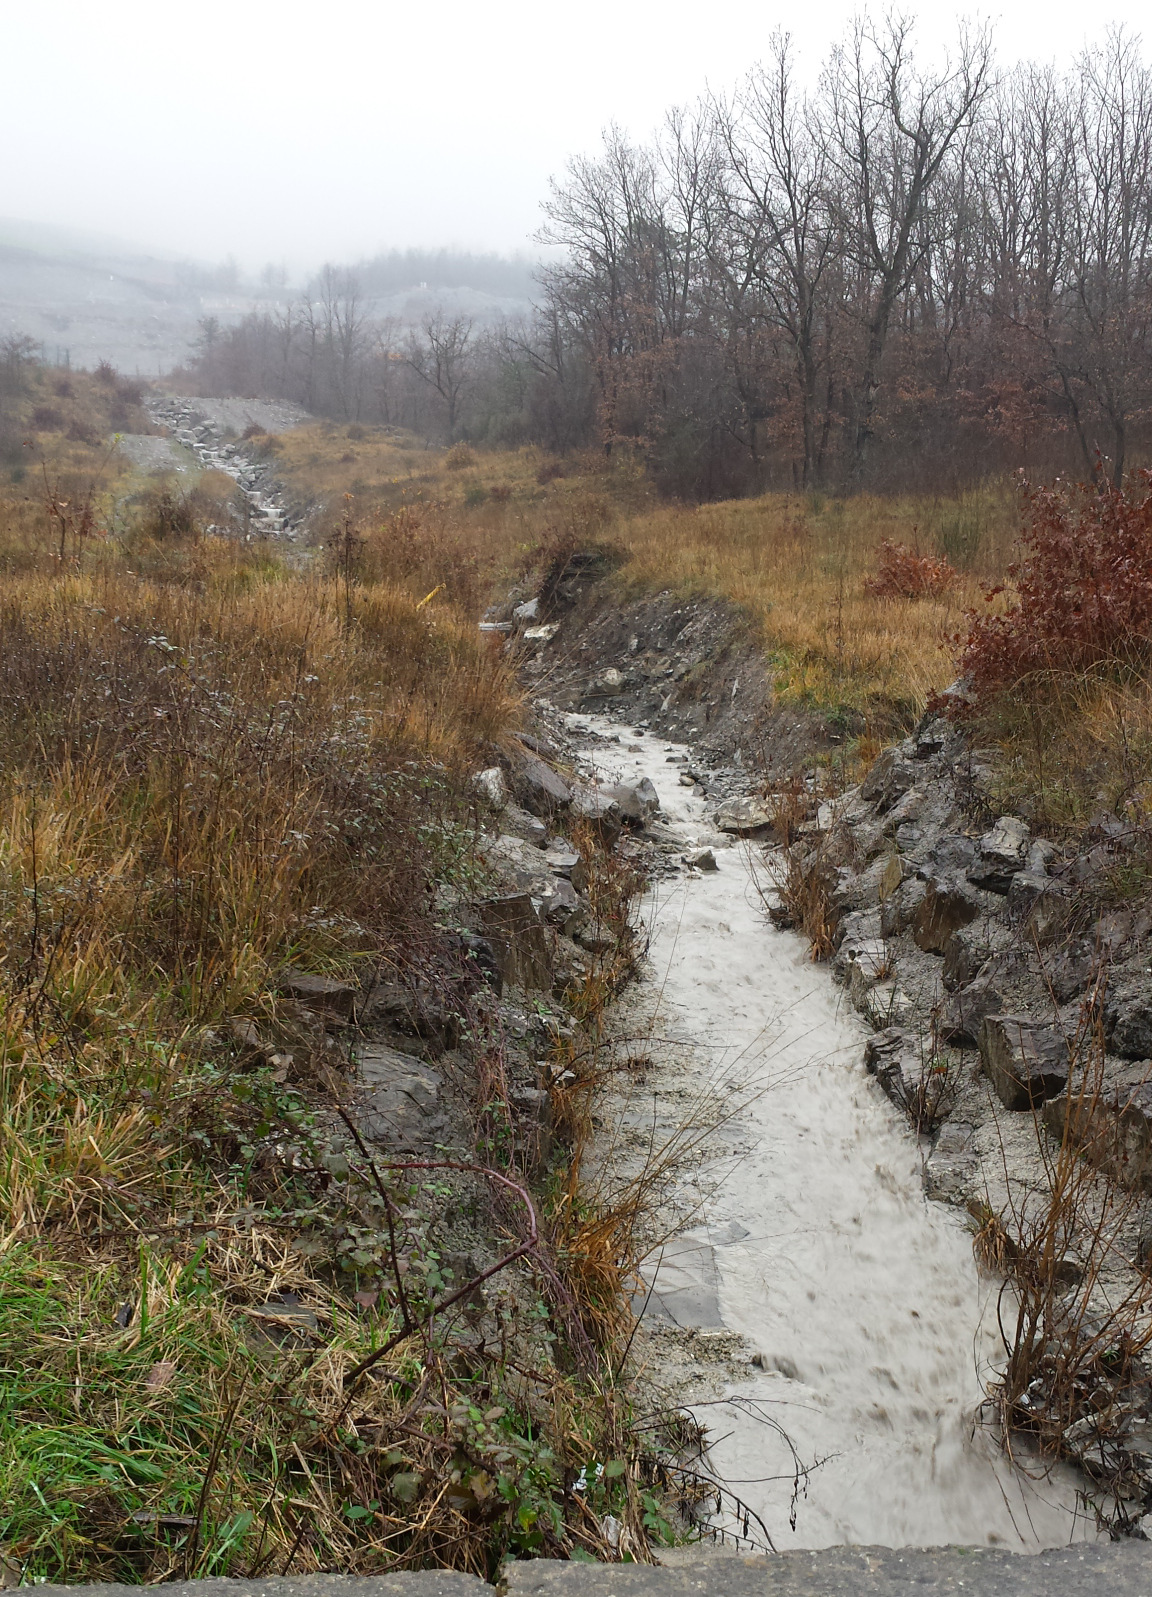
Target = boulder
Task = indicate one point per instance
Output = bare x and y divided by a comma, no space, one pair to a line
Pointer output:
539,788
746,816
964,954
563,907
889,779
490,784
951,855
322,993
1026,1060
607,684
404,1111
520,824
1002,854
601,811
518,940
964,1012
701,859
952,1165
1112,1128
543,634
1038,905
561,858
857,932
886,1004
1128,1020
898,910
526,612
948,904
1071,969
637,800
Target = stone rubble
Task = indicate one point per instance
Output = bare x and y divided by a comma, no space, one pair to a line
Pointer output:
190,422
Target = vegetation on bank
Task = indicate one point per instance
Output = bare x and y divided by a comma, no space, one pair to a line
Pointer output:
226,1345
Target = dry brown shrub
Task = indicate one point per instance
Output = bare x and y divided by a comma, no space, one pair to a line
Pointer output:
902,573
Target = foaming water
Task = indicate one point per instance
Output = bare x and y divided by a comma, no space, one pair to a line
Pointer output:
818,1244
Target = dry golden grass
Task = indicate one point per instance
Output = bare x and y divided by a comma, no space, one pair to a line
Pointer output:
795,565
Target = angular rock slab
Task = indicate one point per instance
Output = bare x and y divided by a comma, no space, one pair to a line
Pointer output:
1003,852
539,788
323,993
404,1110
637,800
948,904
518,940
964,1013
744,817
1112,1128
1025,1060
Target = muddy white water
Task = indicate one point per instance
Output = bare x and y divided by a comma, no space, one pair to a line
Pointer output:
817,1243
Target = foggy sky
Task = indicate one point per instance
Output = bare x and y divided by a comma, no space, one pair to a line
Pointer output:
295,133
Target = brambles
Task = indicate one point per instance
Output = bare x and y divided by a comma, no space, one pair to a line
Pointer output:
460,457
1082,588
901,573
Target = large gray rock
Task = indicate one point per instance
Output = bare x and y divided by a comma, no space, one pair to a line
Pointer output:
889,779
539,788
1038,905
965,1011
404,1110
952,1165
325,994
1111,1126
964,955
899,908
746,816
1128,1020
948,904
1025,1060
1002,854
520,824
518,939
490,784
637,800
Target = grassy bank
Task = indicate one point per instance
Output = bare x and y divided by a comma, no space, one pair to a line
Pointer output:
224,1342
796,565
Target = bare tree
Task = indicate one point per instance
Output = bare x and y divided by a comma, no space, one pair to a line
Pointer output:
893,128
442,359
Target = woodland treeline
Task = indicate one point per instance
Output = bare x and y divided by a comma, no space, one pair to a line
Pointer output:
907,274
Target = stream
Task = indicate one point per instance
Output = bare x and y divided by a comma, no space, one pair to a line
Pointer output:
873,1333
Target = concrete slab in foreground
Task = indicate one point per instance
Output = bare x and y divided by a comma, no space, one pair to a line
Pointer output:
414,1583
1120,1569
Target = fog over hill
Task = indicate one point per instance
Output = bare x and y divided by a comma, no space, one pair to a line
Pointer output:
85,297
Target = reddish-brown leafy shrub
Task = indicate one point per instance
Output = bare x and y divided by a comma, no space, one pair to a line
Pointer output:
1083,586
901,573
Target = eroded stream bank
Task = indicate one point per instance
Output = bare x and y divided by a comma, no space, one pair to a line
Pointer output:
807,1243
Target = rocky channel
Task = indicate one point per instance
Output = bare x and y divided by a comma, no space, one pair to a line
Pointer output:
996,992
218,434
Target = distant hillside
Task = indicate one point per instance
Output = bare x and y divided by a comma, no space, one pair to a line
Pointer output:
84,298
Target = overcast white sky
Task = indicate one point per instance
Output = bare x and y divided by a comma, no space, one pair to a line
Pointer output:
283,131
